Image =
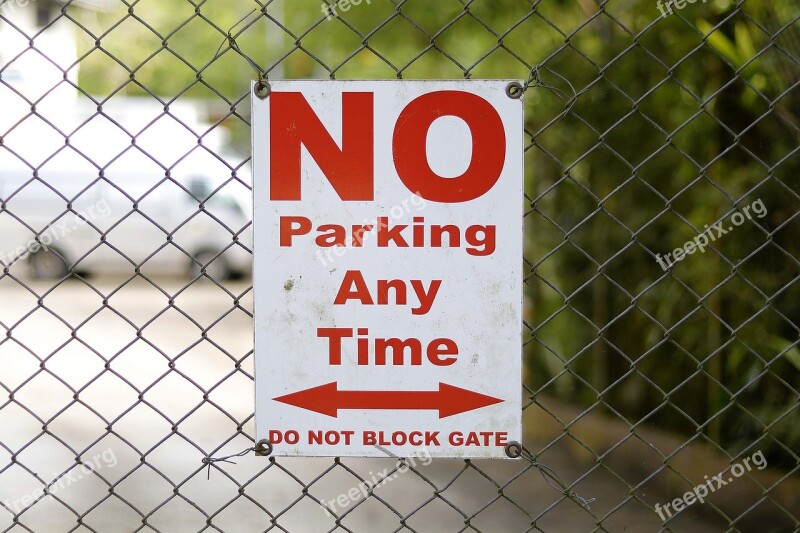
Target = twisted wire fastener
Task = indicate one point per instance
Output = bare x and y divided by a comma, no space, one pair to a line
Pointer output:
515,450
262,448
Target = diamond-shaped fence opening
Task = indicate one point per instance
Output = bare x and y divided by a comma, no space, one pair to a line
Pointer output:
651,372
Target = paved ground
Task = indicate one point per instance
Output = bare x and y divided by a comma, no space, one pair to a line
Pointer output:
74,397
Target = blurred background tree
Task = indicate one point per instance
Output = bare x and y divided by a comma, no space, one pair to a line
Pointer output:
643,130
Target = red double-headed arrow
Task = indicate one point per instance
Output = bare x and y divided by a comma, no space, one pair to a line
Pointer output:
448,400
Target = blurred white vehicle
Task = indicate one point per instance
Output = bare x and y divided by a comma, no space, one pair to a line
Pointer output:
134,216
95,202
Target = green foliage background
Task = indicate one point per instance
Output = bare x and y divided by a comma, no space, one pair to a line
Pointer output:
643,131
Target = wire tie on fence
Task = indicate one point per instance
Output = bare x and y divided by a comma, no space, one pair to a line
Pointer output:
262,448
535,80
208,461
231,40
515,450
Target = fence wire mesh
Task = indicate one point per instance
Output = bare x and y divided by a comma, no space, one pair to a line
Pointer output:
652,364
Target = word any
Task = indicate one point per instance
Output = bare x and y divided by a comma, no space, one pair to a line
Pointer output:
699,493
61,481
365,489
330,10
701,241
680,4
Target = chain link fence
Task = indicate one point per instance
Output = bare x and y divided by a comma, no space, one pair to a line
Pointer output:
662,261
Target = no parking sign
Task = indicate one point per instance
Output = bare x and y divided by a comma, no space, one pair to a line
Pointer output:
388,267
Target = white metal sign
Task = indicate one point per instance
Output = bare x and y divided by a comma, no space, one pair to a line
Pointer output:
388,257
